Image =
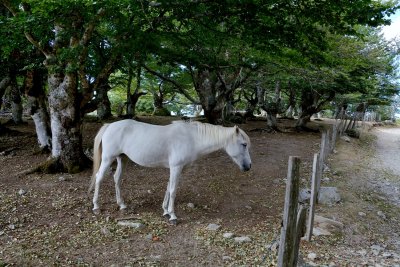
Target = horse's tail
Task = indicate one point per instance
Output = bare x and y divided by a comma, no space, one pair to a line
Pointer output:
97,150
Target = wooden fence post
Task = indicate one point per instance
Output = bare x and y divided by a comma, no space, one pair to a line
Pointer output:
321,161
300,231
327,143
286,255
313,198
334,136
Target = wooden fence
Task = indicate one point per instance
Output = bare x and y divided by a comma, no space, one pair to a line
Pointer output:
294,215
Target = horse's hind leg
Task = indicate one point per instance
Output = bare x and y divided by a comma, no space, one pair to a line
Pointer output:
169,199
117,180
105,164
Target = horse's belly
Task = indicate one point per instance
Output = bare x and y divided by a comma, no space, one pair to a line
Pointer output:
149,160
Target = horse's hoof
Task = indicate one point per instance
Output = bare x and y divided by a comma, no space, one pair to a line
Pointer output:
166,216
96,211
173,222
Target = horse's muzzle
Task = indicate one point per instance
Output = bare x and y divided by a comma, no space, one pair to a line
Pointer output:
245,168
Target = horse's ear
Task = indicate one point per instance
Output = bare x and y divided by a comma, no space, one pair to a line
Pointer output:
237,129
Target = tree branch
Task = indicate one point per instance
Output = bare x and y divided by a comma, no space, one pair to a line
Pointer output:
28,35
177,85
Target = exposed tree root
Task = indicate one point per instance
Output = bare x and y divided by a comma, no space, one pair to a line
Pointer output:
306,129
268,129
55,165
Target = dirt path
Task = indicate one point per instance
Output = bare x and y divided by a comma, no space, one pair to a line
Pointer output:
388,148
388,161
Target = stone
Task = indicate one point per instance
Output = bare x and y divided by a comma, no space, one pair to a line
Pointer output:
312,256
242,239
304,195
190,205
362,252
325,226
228,235
362,214
274,246
213,227
328,195
226,258
381,214
326,179
136,225
387,255
317,231
22,192
345,138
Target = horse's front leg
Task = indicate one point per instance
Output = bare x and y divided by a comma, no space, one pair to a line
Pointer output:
117,180
169,199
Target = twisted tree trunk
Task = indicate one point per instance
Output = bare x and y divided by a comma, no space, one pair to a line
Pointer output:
37,107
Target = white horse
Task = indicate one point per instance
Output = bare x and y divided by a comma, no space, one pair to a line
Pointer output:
172,146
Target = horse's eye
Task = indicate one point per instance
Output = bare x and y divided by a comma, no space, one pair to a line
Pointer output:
244,145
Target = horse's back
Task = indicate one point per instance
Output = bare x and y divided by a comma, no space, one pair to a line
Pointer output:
146,144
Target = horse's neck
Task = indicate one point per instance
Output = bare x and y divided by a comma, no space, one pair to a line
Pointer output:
210,141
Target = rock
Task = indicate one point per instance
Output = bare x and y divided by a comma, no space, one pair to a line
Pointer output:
362,214
328,195
248,207
326,168
345,138
317,231
381,214
274,246
149,237
64,178
325,226
362,252
226,258
11,226
104,230
242,239
213,227
228,235
304,195
312,256
376,249
22,192
387,255
190,205
155,257
136,225
326,179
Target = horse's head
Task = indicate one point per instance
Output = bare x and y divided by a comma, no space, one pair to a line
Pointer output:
238,149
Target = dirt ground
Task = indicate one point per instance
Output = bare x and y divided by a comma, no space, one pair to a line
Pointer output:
46,220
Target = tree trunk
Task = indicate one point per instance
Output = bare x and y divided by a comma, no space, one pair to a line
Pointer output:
158,103
212,103
66,123
5,82
311,103
34,90
132,99
302,121
16,101
104,104
272,108
292,103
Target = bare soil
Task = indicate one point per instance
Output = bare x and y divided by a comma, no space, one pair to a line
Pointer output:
46,220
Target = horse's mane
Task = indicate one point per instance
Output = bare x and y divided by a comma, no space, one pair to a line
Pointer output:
215,133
